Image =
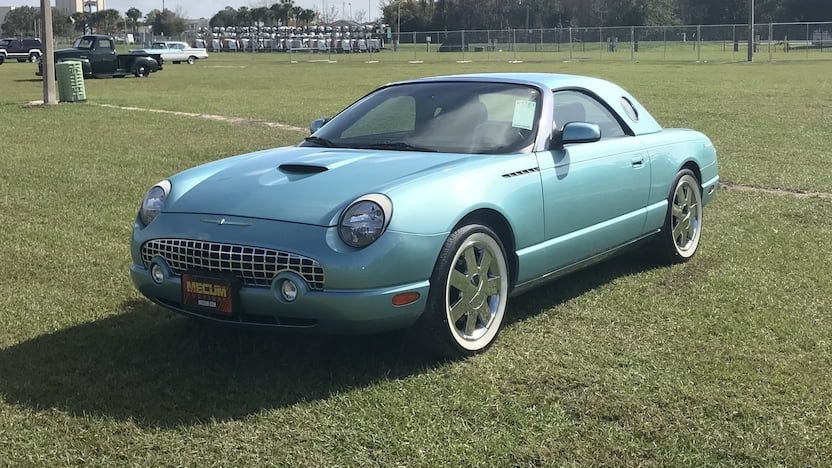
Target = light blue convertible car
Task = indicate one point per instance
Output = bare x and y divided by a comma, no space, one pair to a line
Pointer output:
425,204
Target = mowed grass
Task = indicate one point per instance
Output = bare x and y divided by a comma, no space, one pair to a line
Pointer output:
723,360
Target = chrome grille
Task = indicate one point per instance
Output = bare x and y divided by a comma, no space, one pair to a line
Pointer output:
256,267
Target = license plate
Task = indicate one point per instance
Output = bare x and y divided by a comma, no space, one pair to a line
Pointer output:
214,294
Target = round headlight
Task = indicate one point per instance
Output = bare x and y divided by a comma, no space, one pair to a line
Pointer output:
365,220
153,202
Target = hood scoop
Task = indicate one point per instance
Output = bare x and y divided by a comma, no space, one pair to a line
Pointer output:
302,169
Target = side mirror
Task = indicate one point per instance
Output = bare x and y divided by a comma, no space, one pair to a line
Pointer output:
317,124
580,132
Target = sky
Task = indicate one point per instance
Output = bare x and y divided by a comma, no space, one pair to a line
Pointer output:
207,8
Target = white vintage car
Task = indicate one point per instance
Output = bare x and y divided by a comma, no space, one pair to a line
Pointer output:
176,52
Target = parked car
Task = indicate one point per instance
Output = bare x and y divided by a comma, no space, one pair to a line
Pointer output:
24,50
176,52
425,204
98,57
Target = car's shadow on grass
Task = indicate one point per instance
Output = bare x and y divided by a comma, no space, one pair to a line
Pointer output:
157,369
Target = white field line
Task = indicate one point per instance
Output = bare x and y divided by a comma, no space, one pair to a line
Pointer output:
775,191
216,118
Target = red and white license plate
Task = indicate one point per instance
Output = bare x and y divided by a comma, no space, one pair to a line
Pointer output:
217,295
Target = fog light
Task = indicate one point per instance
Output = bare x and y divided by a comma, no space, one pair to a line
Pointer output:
289,290
157,273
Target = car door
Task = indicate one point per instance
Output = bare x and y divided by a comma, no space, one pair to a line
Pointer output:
595,194
103,59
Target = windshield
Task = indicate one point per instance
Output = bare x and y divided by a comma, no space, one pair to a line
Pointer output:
450,117
83,43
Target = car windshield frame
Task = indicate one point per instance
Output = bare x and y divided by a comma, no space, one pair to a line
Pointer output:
447,116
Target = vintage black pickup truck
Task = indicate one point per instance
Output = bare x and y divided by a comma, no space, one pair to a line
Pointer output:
98,56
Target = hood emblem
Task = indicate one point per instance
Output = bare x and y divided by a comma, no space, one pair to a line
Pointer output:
224,222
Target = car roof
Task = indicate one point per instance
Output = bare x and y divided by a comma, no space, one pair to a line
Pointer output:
606,90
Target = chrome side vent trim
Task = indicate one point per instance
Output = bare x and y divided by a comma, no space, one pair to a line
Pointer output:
523,172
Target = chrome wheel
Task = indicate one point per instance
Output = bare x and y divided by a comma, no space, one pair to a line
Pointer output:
686,216
476,292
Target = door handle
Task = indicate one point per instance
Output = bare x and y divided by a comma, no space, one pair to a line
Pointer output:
637,162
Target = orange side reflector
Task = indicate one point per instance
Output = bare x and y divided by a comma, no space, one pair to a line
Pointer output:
405,298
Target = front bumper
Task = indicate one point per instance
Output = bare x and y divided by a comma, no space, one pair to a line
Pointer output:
356,294
337,312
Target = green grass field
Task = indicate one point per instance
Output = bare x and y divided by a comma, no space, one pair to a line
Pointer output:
721,361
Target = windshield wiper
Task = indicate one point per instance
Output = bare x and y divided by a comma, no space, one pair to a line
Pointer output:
398,146
321,141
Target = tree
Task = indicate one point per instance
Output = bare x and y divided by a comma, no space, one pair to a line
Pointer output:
261,16
25,21
106,21
165,23
134,15
307,16
224,18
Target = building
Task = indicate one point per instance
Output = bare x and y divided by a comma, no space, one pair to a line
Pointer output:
196,24
69,7
4,10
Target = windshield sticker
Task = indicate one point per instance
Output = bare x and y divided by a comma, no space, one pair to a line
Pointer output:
524,112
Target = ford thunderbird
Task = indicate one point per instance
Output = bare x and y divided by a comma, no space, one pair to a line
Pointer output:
425,205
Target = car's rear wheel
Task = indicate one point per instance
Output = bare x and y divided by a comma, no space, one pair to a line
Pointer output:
679,239
468,295
142,71
191,60
33,57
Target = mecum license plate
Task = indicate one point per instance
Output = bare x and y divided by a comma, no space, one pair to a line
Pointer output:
213,294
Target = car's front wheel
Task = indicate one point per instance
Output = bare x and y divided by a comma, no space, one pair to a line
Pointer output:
679,239
191,60
142,71
33,57
468,294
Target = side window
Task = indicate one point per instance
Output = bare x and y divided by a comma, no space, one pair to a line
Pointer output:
104,45
574,106
392,116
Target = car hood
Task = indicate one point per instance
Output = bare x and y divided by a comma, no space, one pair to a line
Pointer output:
70,51
307,185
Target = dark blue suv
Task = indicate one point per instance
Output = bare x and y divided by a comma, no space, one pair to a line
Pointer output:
24,50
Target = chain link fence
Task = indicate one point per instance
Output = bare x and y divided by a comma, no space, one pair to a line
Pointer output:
678,43
699,43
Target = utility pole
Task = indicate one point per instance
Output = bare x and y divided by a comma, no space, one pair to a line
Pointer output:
48,57
750,30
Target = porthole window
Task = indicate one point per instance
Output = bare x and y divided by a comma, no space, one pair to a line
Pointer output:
629,109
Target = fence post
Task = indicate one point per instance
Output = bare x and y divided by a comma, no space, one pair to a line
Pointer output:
770,39
734,44
807,40
664,40
570,43
463,45
542,51
514,43
698,42
600,43
632,44
488,44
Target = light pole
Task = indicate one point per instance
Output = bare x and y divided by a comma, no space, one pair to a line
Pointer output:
750,30
48,57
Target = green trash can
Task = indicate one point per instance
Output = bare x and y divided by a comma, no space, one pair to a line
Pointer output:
70,77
